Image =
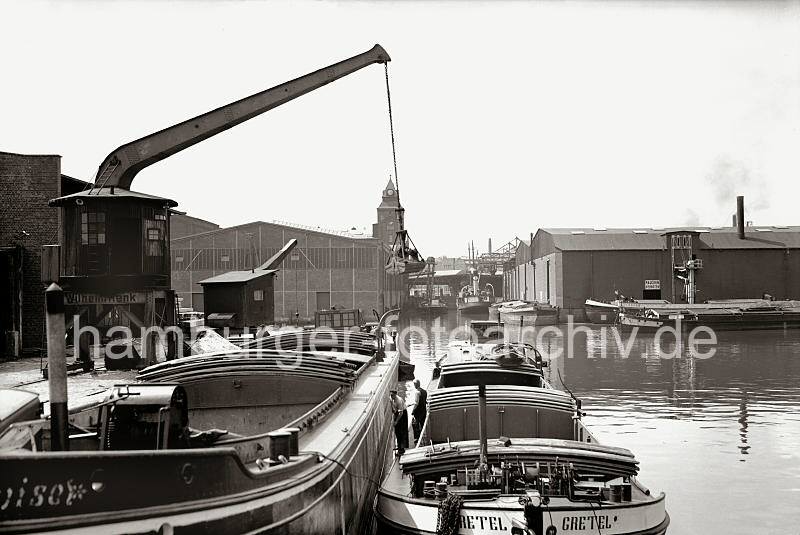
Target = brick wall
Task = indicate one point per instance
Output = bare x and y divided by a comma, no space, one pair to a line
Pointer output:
26,184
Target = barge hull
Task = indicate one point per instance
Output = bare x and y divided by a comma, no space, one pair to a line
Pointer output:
221,496
399,515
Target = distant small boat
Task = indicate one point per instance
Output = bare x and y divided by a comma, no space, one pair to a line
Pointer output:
473,304
529,314
424,307
651,319
600,312
494,310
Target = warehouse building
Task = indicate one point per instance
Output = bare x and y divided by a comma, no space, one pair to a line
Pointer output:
27,223
564,267
342,269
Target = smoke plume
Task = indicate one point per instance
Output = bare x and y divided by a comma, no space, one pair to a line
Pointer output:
729,177
690,218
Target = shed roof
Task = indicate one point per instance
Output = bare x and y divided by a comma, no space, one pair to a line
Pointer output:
440,273
111,193
238,276
594,239
347,235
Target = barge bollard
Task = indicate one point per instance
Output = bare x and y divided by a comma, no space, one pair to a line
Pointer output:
294,444
279,445
57,367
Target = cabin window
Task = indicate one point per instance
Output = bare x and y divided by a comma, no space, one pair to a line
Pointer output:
155,231
258,295
93,228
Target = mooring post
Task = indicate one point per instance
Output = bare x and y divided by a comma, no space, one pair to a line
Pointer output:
57,367
482,436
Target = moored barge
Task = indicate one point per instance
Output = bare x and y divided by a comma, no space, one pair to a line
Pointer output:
252,440
541,472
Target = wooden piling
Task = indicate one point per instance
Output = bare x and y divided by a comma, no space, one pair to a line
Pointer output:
57,367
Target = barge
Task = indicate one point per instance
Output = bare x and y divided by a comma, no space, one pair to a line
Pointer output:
721,319
504,452
250,440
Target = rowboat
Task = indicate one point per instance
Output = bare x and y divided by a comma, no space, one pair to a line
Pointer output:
600,312
247,440
541,472
529,314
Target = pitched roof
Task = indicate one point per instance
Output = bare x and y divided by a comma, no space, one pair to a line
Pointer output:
111,193
598,239
439,273
343,234
238,276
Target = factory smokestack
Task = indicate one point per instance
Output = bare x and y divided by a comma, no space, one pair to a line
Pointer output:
740,216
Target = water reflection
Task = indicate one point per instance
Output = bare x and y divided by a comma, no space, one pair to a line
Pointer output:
720,435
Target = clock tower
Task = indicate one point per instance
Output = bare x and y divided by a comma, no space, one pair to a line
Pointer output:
389,214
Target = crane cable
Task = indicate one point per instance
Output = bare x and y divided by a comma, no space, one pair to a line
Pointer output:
394,151
391,128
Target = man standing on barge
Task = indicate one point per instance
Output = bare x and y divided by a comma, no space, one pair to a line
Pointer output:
400,421
420,410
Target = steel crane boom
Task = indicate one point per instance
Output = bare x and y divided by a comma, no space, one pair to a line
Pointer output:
121,166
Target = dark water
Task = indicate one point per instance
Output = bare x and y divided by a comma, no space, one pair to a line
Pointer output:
719,435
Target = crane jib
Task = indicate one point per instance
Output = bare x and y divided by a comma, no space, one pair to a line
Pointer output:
121,166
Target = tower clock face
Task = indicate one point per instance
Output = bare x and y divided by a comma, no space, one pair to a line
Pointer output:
389,192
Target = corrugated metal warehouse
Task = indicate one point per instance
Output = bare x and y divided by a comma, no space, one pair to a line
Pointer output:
564,267
327,268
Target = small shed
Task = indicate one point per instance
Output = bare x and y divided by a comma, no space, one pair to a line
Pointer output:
239,299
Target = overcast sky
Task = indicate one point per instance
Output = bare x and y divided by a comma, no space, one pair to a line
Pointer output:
508,116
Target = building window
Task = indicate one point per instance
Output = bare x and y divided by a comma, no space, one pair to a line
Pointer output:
548,282
682,241
153,234
258,295
93,228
